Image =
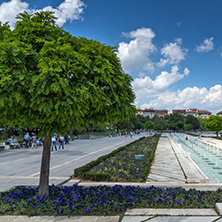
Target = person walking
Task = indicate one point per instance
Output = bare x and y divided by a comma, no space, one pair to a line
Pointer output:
54,143
34,139
26,139
131,134
61,142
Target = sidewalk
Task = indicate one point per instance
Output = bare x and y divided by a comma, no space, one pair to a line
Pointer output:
135,215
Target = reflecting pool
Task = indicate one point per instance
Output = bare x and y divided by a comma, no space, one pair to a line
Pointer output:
207,157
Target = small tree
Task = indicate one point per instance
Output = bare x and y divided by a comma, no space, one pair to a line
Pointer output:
188,127
57,82
149,125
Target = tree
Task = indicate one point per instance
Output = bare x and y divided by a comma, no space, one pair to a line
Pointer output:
160,122
193,121
57,82
188,127
176,121
202,122
214,123
159,126
125,125
136,123
149,125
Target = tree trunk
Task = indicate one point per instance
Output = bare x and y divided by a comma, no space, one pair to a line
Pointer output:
44,175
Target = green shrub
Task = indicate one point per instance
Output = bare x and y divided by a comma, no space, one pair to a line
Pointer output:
121,165
83,172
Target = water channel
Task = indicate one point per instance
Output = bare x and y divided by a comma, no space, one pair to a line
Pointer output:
207,157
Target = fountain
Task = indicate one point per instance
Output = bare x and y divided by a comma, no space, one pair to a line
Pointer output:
207,157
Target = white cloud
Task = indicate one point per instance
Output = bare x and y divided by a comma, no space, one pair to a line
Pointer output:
8,10
134,55
206,46
173,53
68,10
145,87
189,97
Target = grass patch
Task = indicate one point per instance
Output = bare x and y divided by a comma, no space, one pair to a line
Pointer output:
101,200
121,164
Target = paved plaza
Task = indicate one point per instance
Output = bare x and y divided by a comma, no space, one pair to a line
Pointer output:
171,167
22,166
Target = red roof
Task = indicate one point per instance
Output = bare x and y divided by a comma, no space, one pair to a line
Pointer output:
179,111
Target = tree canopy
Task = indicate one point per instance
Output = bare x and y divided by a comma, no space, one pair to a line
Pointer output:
55,81
214,123
188,127
193,121
176,121
47,76
149,125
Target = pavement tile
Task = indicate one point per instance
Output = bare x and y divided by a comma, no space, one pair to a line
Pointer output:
77,219
219,208
57,219
136,218
172,212
183,219
108,219
7,218
42,219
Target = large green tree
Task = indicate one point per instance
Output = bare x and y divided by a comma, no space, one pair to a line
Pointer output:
214,123
55,81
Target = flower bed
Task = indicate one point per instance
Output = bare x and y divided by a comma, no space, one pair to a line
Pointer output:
101,200
121,164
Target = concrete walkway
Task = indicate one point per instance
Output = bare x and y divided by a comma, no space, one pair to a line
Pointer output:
165,167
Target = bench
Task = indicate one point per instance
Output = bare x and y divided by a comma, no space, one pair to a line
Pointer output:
22,144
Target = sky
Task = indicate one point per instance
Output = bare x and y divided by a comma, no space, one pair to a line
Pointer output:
171,48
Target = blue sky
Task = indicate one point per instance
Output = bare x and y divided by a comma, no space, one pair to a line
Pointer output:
172,49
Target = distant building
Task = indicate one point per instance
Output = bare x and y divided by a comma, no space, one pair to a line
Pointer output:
194,112
180,111
152,112
219,113
204,114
